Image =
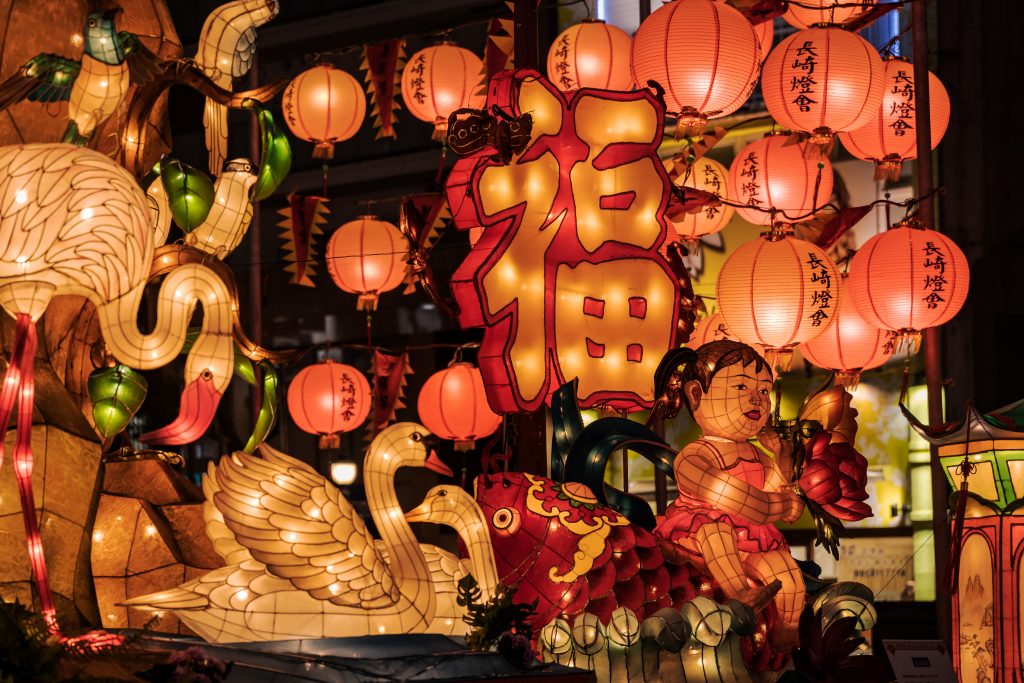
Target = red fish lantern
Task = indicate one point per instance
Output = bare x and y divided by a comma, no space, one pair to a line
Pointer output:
328,398
452,404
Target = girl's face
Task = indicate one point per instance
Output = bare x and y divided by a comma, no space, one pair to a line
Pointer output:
737,403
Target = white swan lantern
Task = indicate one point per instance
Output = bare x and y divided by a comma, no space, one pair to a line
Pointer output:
74,222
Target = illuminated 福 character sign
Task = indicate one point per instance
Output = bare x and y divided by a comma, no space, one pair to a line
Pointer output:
567,279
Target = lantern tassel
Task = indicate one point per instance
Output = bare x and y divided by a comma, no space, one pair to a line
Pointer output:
690,123
323,150
820,142
848,379
952,578
463,446
367,302
909,341
780,359
440,130
890,168
329,442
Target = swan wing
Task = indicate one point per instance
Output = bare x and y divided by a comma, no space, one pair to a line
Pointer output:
299,525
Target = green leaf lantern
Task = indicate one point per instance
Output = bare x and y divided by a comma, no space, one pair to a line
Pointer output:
189,193
116,393
277,156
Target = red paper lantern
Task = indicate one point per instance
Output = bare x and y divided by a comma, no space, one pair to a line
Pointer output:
367,256
324,105
452,405
774,173
823,81
777,291
849,345
710,176
439,79
765,36
712,328
823,12
890,138
705,54
592,54
328,398
908,278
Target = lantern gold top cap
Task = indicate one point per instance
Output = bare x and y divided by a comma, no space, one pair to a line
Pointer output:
911,222
826,24
368,217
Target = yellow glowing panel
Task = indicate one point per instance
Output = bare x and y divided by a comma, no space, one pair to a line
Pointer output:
982,482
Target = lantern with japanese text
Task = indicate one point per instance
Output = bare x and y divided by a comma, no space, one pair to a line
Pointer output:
710,176
823,81
778,291
367,257
328,398
849,345
889,138
776,173
453,405
712,328
807,13
439,79
324,105
567,278
591,54
706,56
908,278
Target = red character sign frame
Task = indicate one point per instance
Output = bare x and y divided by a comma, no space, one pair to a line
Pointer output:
568,279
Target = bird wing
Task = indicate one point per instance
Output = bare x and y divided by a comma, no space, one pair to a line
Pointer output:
300,526
143,65
44,78
227,46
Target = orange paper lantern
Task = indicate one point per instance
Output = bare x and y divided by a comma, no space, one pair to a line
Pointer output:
823,81
890,138
592,54
704,53
765,37
770,173
367,256
778,291
328,398
439,79
324,105
849,345
822,12
710,176
452,405
908,278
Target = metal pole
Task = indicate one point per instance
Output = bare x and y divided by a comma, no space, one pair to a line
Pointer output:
526,35
932,340
645,9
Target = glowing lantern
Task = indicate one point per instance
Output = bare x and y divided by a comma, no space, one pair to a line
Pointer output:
771,173
705,54
453,405
324,105
908,278
710,176
849,345
567,278
765,36
712,328
778,291
810,12
823,81
592,54
439,79
367,256
889,138
474,235
328,398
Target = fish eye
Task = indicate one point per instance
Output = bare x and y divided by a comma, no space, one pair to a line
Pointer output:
505,521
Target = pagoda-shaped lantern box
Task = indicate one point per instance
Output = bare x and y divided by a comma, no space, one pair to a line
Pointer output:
988,604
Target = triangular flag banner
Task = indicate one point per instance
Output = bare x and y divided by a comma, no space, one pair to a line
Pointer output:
498,51
383,63
758,11
388,373
421,218
304,217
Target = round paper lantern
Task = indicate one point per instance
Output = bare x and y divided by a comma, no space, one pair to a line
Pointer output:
706,56
770,173
908,278
765,36
328,398
777,291
453,405
439,79
823,81
324,105
367,256
850,344
592,54
710,176
890,137
822,12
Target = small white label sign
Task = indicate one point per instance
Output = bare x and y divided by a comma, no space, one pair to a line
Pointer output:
920,661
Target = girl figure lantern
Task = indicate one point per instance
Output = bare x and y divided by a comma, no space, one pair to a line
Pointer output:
730,493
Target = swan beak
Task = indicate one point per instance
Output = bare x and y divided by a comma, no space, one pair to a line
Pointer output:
420,513
198,406
434,464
